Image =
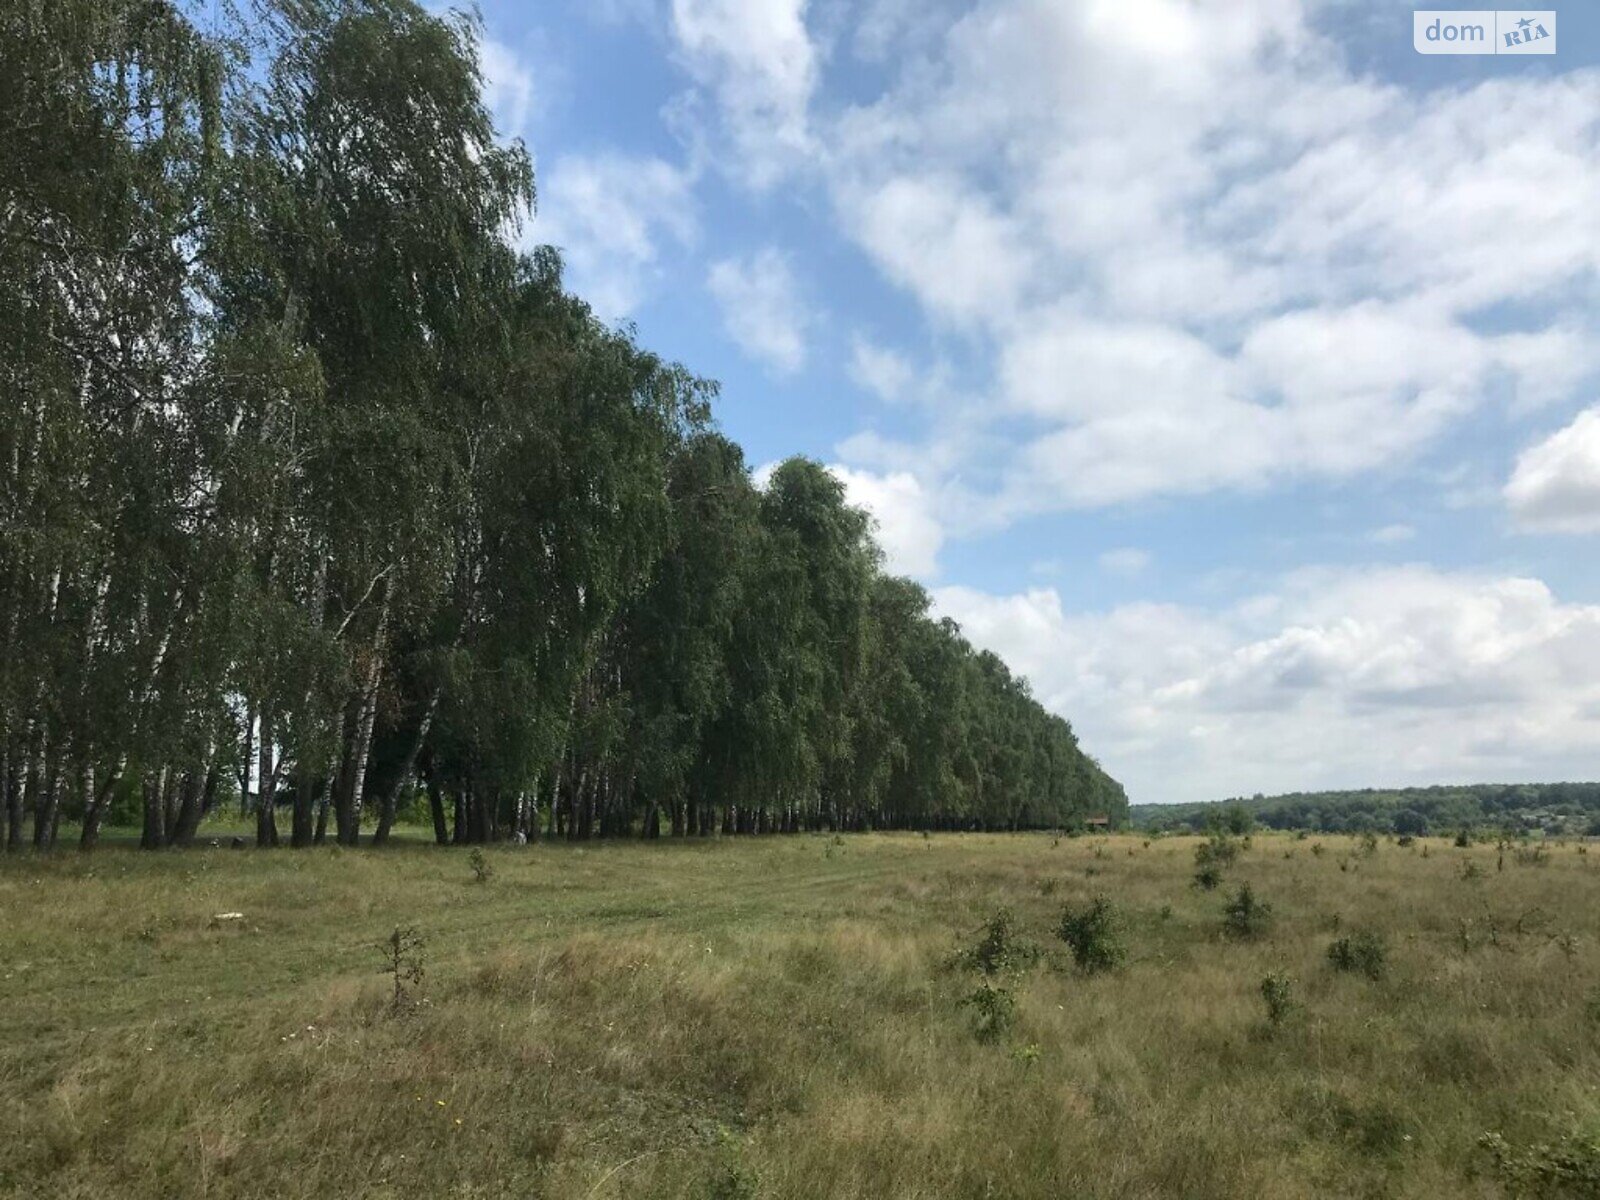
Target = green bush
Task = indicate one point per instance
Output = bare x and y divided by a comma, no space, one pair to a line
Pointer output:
1244,916
1219,850
1094,936
1277,993
994,1010
1208,877
1364,953
1568,1167
999,950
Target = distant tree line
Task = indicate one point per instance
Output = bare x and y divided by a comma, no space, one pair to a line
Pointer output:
1553,807
321,496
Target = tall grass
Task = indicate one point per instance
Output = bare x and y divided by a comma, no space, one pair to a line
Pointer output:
767,1018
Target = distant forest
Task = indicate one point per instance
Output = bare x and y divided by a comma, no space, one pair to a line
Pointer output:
1554,808
320,493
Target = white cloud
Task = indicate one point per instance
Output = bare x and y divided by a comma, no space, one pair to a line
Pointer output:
1127,561
757,60
1207,254
1392,535
508,87
611,215
879,370
1342,677
761,308
908,530
1556,484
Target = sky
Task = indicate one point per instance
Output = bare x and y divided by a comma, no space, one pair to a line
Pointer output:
1228,367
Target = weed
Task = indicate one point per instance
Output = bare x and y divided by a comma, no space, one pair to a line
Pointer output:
1027,1054
1531,856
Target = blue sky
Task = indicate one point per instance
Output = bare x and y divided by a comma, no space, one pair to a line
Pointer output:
1228,367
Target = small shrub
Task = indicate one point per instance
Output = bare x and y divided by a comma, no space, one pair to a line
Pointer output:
1208,877
1405,840
1244,916
999,950
402,962
1317,849
1471,870
1026,1055
1094,936
482,872
1463,839
1364,953
734,1179
1567,1167
1368,845
994,1010
1219,850
1277,993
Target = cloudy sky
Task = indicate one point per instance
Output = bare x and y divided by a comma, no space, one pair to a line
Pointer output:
1227,366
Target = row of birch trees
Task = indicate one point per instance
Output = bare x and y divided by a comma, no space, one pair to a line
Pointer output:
323,502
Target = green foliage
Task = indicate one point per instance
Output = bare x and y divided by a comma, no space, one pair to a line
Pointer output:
1364,953
1569,1166
1094,936
403,963
994,1009
1219,850
1000,950
482,871
1246,917
1208,877
366,498
1277,994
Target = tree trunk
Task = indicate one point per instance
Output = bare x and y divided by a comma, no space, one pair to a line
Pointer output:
154,835
95,808
441,834
13,783
392,797
266,784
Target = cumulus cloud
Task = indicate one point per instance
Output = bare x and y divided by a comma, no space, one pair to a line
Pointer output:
1332,678
908,529
612,215
1556,484
508,87
761,308
1205,253
879,370
756,61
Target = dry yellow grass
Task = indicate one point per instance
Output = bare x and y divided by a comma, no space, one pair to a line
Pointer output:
780,1017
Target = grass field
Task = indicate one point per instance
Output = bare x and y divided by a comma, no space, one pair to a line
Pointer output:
783,1017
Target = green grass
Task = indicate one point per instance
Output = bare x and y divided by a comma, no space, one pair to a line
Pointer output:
783,1017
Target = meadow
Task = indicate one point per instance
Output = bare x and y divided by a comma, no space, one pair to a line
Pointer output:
793,1016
